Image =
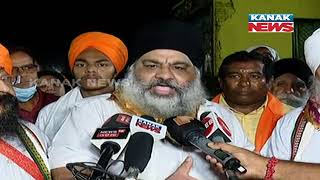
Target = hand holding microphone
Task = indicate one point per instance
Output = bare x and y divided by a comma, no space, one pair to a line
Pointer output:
192,133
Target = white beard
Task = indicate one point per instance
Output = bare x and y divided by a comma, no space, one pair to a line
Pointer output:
185,102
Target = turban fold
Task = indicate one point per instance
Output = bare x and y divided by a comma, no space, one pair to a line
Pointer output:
295,67
5,60
109,45
312,51
168,34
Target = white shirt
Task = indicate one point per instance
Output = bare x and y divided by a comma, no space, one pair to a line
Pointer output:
51,117
10,170
279,144
72,142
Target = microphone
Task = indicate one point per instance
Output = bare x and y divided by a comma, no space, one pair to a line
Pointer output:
148,125
192,133
108,148
138,154
115,129
216,129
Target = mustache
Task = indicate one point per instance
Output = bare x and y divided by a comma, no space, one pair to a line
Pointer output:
293,100
162,82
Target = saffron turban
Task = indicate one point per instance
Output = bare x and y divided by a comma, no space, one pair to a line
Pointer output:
5,60
109,45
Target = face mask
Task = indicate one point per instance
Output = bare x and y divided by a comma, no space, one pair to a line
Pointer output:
24,95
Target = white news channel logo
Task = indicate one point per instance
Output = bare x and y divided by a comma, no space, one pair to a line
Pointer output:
270,23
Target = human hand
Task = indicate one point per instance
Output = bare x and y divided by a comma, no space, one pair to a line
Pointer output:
254,163
182,173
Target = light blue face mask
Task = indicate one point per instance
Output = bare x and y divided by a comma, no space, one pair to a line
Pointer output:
24,95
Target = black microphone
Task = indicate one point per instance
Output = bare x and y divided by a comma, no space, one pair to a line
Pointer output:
193,133
108,148
138,154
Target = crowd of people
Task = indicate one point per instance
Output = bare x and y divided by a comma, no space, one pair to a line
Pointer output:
270,106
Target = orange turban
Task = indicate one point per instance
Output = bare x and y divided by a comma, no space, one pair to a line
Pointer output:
5,60
108,44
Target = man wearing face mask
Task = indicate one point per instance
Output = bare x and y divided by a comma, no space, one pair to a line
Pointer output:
31,100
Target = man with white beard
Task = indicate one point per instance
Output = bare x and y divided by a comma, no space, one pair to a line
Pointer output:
163,82
292,79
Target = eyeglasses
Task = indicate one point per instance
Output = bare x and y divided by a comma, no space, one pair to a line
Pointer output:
26,68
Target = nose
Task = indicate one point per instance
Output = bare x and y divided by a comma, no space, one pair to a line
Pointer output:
289,89
91,68
244,82
164,73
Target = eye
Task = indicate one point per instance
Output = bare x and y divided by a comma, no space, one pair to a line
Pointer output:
80,64
234,76
255,76
151,66
300,85
102,64
181,68
281,83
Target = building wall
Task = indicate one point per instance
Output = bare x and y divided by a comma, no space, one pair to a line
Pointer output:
233,35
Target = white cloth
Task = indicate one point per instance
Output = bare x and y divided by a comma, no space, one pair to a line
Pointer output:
273,52
51,117
279,144
72,142
311,51
10,170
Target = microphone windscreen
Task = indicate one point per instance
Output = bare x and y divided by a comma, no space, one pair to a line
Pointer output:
117,120
150,118
138,151
113,145
179,133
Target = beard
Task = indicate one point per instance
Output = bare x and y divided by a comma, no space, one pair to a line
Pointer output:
8,114
315,91
293,100
185,101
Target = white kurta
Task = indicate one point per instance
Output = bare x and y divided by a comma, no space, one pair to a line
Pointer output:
10,170
51,117
279,144
72,142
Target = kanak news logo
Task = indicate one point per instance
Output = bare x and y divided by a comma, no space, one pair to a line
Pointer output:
148,126
270,23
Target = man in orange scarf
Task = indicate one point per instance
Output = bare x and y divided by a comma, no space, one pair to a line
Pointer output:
95,58
244,79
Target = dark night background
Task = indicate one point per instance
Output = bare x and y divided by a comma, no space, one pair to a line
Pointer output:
48,28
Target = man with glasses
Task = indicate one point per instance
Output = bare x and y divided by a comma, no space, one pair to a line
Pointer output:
31,100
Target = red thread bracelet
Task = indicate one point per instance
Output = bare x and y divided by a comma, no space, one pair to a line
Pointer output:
270,168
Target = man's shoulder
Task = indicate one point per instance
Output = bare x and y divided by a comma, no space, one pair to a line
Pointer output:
215,107
289,119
